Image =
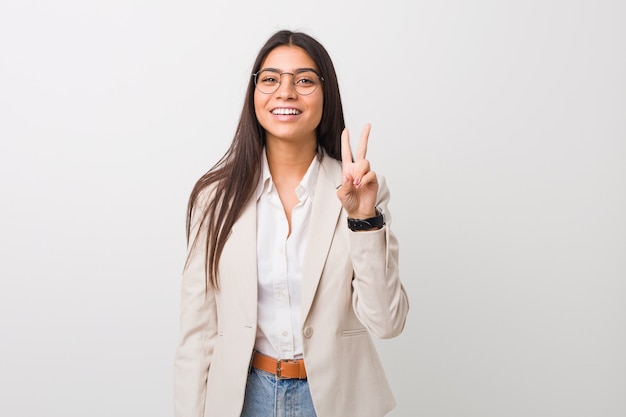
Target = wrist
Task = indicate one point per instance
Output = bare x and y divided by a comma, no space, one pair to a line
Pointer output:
364,214
375,222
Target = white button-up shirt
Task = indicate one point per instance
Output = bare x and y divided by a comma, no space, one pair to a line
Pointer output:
279,264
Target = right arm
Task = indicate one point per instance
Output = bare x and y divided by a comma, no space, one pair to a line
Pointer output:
198,330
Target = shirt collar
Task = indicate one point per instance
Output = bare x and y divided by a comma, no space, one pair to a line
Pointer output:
265,181
306,186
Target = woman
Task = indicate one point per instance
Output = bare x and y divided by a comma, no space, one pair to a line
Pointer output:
291,262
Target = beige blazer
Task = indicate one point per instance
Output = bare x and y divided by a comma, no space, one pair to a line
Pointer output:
351,290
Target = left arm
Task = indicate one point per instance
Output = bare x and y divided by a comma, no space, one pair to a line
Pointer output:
378,297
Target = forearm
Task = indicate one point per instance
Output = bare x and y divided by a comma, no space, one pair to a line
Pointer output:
379,298
198,333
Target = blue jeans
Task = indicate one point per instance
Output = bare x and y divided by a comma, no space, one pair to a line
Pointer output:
267,396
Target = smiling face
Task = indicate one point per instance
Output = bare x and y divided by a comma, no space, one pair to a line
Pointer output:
285,114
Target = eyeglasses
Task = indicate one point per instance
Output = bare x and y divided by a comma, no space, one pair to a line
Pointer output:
304,81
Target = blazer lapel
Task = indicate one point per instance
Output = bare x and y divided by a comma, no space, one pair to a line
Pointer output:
243,238
324,216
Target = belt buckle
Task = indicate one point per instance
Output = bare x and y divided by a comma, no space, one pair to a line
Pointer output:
279,369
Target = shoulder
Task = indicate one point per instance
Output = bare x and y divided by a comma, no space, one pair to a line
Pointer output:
204,195
331,168
199,201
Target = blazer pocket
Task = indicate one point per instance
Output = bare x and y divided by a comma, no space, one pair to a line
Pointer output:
353,332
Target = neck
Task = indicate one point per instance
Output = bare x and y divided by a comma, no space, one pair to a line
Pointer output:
289,160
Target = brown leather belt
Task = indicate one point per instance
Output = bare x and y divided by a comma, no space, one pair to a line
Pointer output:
283,368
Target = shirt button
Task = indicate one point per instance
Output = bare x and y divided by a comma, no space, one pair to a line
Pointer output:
285,333
308,331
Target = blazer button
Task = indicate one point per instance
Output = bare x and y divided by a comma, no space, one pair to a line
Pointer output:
308,332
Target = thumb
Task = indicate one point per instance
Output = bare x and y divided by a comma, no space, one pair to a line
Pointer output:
346,187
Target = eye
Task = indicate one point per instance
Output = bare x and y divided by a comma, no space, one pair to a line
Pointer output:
268,78
305,81
306,78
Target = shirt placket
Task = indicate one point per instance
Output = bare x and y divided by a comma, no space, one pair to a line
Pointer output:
284,336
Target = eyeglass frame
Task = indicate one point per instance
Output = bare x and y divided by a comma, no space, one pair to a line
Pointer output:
280,78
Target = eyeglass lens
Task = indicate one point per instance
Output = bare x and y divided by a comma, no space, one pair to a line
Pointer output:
304,82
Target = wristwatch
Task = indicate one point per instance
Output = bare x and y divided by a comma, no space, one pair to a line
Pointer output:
377,222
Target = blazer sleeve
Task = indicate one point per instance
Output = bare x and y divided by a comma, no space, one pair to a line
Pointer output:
198,330
378,297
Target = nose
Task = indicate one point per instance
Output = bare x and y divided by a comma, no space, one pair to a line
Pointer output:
286,88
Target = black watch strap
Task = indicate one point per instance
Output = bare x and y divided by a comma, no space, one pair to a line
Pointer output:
376,222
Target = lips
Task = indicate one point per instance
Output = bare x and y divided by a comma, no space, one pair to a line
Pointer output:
285,111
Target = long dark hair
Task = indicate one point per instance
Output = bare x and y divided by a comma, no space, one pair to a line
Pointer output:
235,176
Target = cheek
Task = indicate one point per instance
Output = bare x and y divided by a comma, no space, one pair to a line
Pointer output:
320,110
258,107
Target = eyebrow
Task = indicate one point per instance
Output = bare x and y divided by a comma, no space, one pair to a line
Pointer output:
298,70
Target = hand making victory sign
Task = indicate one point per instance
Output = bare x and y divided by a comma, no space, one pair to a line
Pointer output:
358,191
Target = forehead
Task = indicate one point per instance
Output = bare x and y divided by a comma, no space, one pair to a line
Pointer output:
288,58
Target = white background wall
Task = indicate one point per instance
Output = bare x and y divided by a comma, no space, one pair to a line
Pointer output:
500,126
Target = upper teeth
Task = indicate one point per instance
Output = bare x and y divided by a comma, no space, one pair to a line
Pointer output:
285,111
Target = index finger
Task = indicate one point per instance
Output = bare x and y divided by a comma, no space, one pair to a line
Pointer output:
346,152
361,150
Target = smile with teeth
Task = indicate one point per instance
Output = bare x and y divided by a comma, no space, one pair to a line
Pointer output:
281,111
